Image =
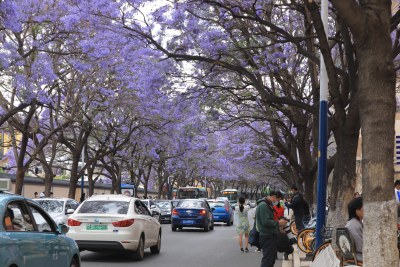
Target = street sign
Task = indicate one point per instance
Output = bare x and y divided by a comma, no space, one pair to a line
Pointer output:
5,184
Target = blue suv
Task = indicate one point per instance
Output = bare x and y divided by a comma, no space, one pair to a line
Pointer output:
29,237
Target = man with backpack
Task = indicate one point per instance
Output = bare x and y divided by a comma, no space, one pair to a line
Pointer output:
268,229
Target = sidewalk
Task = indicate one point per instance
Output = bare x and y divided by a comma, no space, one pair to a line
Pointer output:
299,258
288,263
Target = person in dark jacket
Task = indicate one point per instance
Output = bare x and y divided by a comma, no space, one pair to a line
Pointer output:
268,229
297,205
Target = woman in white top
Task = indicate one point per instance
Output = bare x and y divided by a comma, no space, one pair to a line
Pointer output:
243,225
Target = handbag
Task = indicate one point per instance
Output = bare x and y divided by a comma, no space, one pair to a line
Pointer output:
254,236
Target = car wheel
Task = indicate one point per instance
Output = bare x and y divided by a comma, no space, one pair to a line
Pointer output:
212,226
74,263
228,223
206,228
139,253
173,228
156,248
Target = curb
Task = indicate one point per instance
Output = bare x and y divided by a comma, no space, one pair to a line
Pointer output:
300,259
296,257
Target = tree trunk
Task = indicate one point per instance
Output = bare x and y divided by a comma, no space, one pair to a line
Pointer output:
48,182
21,168
91,182
309,189
74,177
113,183
344,174
377,114
369,24
118,182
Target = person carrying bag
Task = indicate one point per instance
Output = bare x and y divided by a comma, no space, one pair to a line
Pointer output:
254,237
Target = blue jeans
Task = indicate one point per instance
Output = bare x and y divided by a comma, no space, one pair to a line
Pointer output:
269,250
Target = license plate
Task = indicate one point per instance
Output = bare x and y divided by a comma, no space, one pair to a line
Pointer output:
216,217
96,227
188,221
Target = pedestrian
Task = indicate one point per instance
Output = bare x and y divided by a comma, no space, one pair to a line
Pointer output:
355,226
36,195
268,229
297,205
279,209
243,225
42,195
397,195
83,195
283,242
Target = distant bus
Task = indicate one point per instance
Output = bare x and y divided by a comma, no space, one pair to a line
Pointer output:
231,194
192,192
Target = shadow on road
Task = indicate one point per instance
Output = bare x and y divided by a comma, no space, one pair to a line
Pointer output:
110,257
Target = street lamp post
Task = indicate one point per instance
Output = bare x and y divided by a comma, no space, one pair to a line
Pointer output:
83,175
323,138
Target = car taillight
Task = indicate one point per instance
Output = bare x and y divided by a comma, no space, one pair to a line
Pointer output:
175,212
227,208
203,212
72,222
124,223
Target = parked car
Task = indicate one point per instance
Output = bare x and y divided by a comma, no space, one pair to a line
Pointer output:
165,209
115,222
174,203
192,213
25,242
222,212
222,198
59,209
151,205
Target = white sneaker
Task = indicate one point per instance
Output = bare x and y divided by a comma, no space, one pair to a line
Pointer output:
258,250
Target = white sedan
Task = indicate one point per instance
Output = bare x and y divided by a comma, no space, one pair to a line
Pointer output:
152,206
115,222
59,209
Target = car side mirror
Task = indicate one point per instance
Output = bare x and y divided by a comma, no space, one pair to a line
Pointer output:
63,229
152,206
69,211
212,209
154,213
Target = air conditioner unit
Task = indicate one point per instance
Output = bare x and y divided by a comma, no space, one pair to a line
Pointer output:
5,184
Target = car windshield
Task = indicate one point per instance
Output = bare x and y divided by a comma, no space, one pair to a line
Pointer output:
190,204
164,205
105,207
51,206
216,204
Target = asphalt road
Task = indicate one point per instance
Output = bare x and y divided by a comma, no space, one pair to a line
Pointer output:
189,247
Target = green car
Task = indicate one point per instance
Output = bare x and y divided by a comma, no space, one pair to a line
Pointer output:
29,237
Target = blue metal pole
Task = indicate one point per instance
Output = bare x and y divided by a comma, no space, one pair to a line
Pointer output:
322,173
82,184
323,138
83,174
